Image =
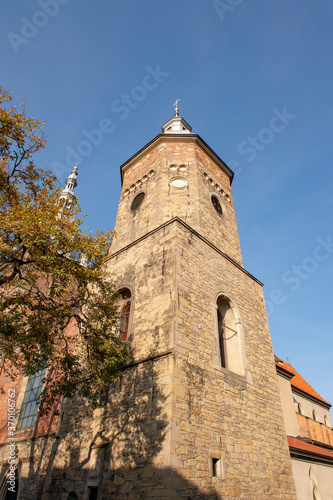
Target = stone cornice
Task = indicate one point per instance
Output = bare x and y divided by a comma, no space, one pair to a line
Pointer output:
195,233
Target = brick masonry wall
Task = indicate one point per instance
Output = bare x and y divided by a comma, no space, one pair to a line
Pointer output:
316,431
45,425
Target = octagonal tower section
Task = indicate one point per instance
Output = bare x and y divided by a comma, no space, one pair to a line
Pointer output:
177,175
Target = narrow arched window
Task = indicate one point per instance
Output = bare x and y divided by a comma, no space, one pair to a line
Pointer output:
221,331
230,343
125,311
124,321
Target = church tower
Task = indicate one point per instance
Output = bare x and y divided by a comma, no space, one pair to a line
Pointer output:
197,413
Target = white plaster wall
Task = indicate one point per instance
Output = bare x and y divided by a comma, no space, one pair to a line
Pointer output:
288,407
308,475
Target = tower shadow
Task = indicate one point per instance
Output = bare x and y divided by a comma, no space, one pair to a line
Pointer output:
122,450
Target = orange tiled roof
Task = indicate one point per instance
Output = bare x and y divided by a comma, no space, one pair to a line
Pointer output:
302,445
298,382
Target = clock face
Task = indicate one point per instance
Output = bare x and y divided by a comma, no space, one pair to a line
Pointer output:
178,182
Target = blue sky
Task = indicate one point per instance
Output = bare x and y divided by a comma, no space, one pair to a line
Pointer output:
236,65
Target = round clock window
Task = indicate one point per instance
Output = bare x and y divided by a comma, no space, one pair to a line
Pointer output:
178,182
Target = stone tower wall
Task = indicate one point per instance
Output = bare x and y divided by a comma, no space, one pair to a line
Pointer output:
147,268
214,412
176,412
217,413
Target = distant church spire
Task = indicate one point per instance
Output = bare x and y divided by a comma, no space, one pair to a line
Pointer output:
177,124
67,195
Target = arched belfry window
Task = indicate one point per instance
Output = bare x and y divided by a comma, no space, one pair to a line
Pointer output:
124,321
125,312
222,338
230,343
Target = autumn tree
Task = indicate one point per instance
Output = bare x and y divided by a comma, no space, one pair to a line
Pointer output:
58,307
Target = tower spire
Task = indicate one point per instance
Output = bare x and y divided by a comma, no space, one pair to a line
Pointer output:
176,124
67,195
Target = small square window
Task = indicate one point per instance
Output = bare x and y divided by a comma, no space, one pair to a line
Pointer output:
216,467
92,492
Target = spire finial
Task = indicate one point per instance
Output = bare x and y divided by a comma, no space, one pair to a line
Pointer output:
67,194
175,104
176,124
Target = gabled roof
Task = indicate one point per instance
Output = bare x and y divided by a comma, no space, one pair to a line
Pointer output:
298,382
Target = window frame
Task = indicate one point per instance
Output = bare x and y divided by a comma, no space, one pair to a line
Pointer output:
216,466
31,398
217,204
222,340
126,304
235,365
124,320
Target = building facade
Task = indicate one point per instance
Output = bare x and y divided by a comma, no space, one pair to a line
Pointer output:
310,435
197,414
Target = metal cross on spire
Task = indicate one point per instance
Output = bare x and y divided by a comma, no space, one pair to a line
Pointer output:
175,104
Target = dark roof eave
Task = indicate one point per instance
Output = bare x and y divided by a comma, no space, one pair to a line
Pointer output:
301,450
198,235
283,372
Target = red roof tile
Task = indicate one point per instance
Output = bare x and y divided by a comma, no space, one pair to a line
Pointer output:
302,445
298,382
